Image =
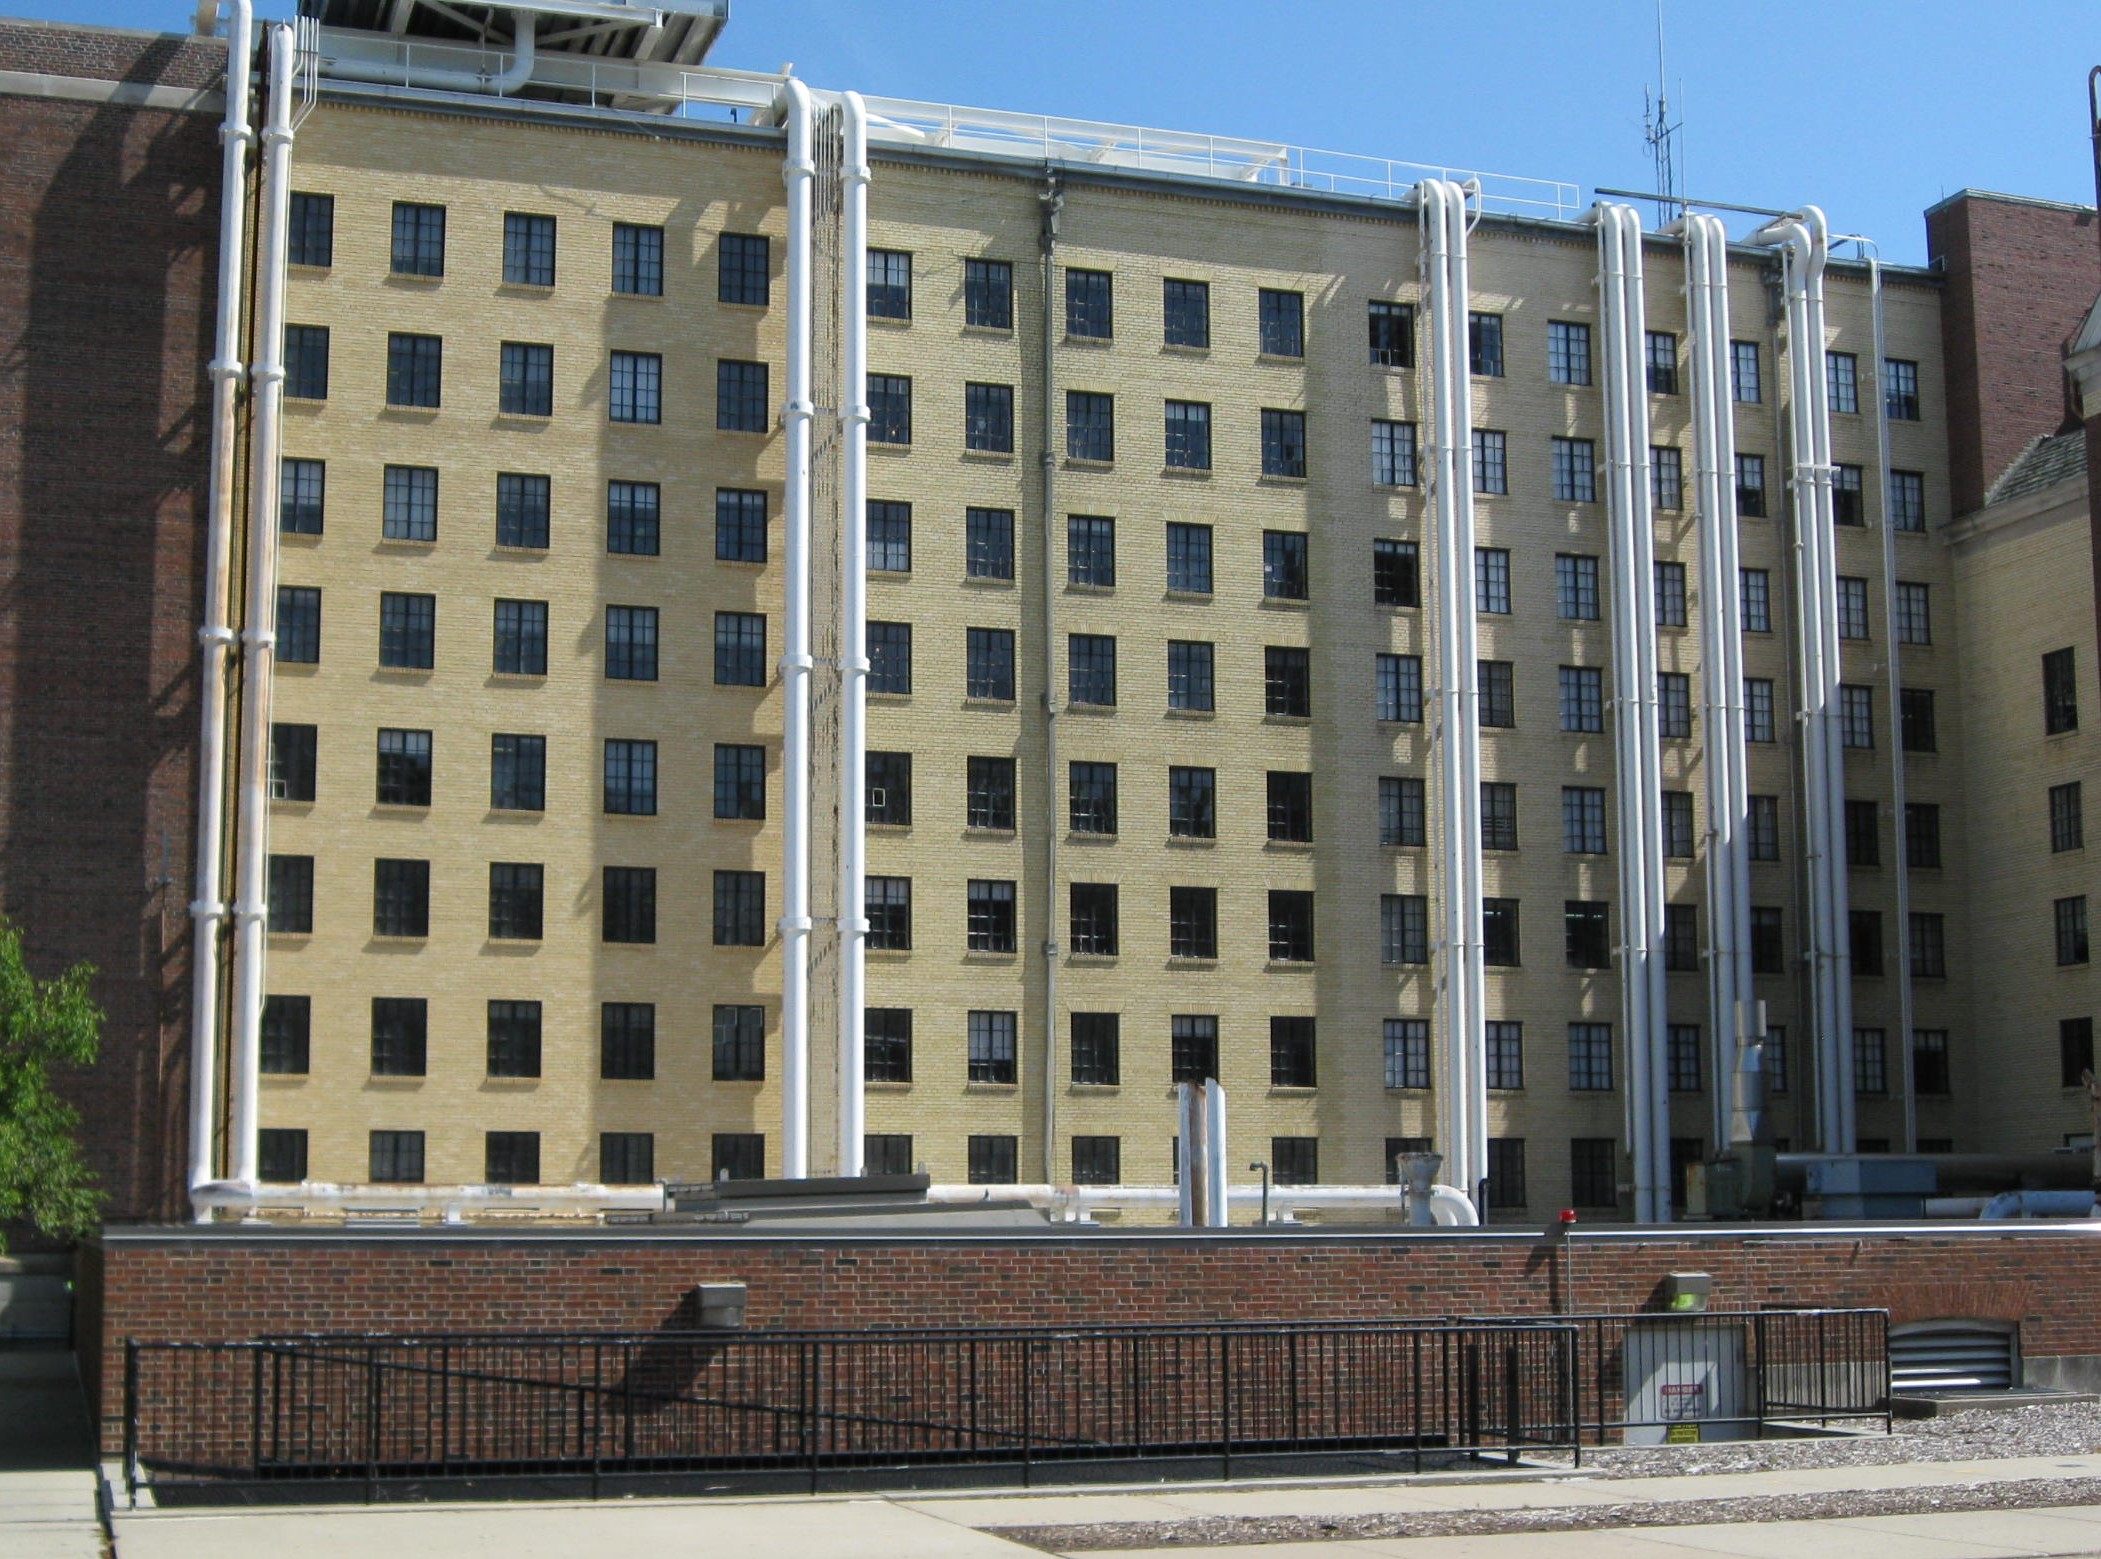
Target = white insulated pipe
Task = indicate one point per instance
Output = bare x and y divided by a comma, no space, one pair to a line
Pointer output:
500,83
251,907
798,173
1449,1206
1219,1171
208,908
452,1202
853,640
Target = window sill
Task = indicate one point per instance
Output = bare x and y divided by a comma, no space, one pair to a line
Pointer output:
1089,839
1173,713
1292,1091
1082,587
405,544
1288,965
514,550
1277,719
524,289
282,938
1287,846
888,955
1191,842
415,279
1094,1088
890,321
304,402
404,673
411,413
1280,479
517,678
510,1084
887,446
281,806
890,828
634,422
1192,597
1083,463
1185,349
889,699
975,1086
1187,962
1186,473
888,1085
524,419
401,809
393,1080
994,457
979,831
385,941
1282,359
987,582
1092,960
303,538
1285,603
993,704
1096,711
1088,343
993,332
284,1079
981,957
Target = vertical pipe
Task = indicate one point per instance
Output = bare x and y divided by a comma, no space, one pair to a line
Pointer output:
207,905
1219,1176
250,908
853,643
1053,199
798,173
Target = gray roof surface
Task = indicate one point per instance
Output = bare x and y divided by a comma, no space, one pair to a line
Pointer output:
2048,460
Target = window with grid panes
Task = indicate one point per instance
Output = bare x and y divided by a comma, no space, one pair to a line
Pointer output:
1900,389
1090,425
1856,716
306,362
632,518
1284,565
1192,803
1593,1171
1491,464
419,240
404,768
1842,381
638,259
1586,933
1484,344
1091,669
1583,819
1681,939
740,1043
740,909
407,630
1758,709
1185,312
1576,586
1097,1160
1492,580
1914,614
1582,698
1864,940
744,269
990,913
740,649
522,507
1281,318
1498,815
1848,505
1745,386
1506,1172
1393,451
2067,819
409,503
1499,932
1575,470
887,1053
990,1037
1089,304
2075,1049
415,369
1287,681
988,543
991,1159
1396,573
302,494
742,402
528,250
2068,918
1292,1059
631,643
1852,608
1498,681
988,418
1093,919
1660,352
1192,922
1870,1062
1678,830
737,1155
1755,597
889,284
1402,811
293,750
1189,675
627,1158
517,890
989,793
887,903
1406,1043
1290,926
1674,703
1189,559
630,910
1391,332
1907,500
1295,1160
395,1157
635,391
1666,477
400,1036
514,1039
1682,1057
1773,1054
630,778
1670,594
517,772
1863,833
1290,807
1929,945
1189,435
1505,1055
1096,1046
288,1023
888,792
1090,550
988,294
1922,835
2060,693
1929,1061
889,536
310,235
1750,486
289,898
1283,442
1768,949
280,1155
740,780
1590,1057
1193,1047
1568,352
1404,929
1091,798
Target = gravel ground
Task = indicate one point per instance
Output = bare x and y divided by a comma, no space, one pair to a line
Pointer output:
2055,1430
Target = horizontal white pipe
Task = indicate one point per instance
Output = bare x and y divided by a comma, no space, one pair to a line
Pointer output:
502,83
1450,1205
448,1199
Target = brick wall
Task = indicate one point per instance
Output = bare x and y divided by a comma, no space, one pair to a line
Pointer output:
2021,276
108,260
185,1285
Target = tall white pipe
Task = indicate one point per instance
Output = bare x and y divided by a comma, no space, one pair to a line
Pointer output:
207,906
1218,1173
853,639
252,857
798,173
1051,213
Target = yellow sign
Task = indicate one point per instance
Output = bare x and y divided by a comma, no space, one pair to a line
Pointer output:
1682,1434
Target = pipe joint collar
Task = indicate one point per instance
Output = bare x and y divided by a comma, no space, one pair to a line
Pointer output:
208,909
247,913
795,925
799,411
798,168
802,663
857,415
277,135
267,374
859,173
216,633
223,368
854,665
853,925
261,638
232,135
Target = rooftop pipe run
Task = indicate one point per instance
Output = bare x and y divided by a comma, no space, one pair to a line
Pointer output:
853,638
208,908
500,83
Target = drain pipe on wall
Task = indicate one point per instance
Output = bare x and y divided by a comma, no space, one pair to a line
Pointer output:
798,172
208,908
1053,204
251,908
853,643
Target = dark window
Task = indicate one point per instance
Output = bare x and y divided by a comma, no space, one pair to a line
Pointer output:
1291,1053
1295,1160
1590,1057
528,250
627,1040
636,387
302,497
1900,389
988,668
516,892
1662,356
1582,698
1090,550
988,294
1568,352
1755,590
395,1157
1498,693
400,1036
1290,807
638,259
1492,580
311,236
990,1037
627,1158
740,909
1284,568
2069,919
886,1153
292,762
1095,1049
1929,1062
1403,813
1491,461
1863,833
740,649
1842,380
288,1025
1097,1160
1396,573
990,915
1506,1172
525,379
742,404
1190,682
2075,1050
740,525
514,1039
1186,312
1406,1043
887,1056
740,781
737,1155
630,778
1499,938
1189,435
1587,932
988,543
1870,1063
1094,919
400,898
1290,926
1192,803
1392,334
1864,939
1915,713
1282,317
632,518
1681,938
1848,506
1091,798
740,1044
1392,453
1907,500
1283,443
2067,817
1768,946
889,284
1583,819
887,904
1743,372
889,409
1670,595
306,362
1287,681
1593,1171
2060,693
517,773
1856,716
1404,929
1505,1056
280,1155
1089,304
989,793
1929,946
415,369
744,269
889,657
1484,345
1189,558
1192,922
1922,835
419,240
409,503
888,794
521,638
1091,669
991,1160
1575,463
630,904
988,417
631,643
1682,1057
1750,486
522,507
1090,425
1193,1048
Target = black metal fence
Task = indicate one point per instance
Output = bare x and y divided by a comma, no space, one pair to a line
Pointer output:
614,1406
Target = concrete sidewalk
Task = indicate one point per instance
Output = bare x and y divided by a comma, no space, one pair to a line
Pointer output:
47,1459
955,1527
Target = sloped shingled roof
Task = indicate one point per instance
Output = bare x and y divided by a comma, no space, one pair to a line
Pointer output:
2053,458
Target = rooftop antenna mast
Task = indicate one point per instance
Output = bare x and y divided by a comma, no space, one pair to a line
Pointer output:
1659,133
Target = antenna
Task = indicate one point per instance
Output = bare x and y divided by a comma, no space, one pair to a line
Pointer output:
1658,133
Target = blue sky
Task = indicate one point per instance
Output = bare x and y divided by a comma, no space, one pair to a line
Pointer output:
1872,108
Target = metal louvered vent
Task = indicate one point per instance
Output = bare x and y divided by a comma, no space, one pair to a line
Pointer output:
1951,1356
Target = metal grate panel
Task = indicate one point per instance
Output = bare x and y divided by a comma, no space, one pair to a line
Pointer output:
1951,1356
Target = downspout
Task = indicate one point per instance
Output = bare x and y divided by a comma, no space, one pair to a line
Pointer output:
208,908
798,173
500,83
251,907
1053,202
853,642
1461,292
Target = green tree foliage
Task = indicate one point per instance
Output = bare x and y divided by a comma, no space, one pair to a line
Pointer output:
44,1024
